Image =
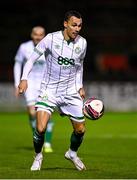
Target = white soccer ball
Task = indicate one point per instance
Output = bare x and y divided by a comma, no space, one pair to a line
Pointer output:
93,108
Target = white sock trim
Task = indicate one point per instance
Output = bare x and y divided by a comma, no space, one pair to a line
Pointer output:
72,153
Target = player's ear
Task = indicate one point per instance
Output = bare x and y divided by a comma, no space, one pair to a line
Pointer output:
65,24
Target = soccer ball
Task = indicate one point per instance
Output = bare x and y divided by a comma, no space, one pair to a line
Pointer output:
93,108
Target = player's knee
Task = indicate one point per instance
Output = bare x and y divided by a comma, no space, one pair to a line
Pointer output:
40,129
80,130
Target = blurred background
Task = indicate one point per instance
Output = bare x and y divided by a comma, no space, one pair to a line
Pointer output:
110,27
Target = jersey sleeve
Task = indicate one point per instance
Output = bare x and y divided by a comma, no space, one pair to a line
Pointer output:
29,64
19,59
84,49
79,75
20,54
41,47
17,73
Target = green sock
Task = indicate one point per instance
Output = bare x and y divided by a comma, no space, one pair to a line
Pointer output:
38,140
76,140
32,121
48,134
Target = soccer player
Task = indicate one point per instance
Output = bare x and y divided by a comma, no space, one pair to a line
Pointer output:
34,80
62,85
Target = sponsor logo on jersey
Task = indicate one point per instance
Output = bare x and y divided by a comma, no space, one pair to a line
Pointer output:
66,61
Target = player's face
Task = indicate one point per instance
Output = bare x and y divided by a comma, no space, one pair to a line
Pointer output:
72,27
37,35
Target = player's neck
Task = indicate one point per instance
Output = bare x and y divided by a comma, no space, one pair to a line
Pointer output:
67,38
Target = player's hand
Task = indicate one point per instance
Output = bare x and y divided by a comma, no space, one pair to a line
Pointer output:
22,87
82,93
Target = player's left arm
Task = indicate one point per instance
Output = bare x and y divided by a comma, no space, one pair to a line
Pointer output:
79,77
82,93
79,82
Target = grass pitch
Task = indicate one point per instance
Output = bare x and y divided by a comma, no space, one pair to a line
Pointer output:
109,149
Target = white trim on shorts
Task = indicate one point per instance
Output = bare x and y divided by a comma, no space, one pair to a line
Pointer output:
76,119
43,109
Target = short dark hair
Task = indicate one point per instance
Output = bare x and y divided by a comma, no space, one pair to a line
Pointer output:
71,13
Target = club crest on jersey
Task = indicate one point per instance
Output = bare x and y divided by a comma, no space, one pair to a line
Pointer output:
77,50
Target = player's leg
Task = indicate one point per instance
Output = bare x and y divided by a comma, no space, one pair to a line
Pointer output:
41,124
38,138
77,119
76,140
48,137
78,123
77,135
44,109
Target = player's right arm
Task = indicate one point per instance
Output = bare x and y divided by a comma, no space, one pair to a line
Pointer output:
38,51
19,60
17,75
23,85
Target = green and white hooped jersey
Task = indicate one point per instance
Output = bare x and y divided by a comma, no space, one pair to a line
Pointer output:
64,60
